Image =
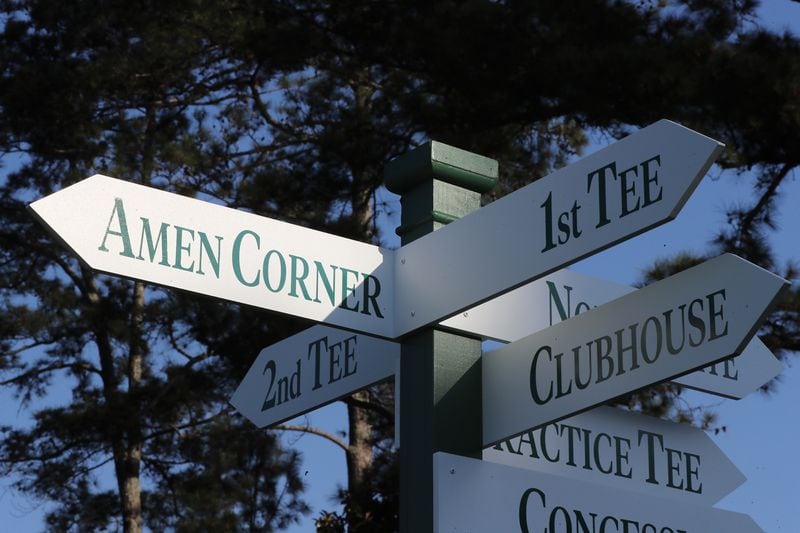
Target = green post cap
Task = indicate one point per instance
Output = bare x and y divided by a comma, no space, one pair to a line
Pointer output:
442,162
440,393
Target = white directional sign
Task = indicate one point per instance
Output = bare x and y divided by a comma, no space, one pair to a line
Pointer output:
627,451
690,320
168,239
311,369
607,197
738,376
536,306
563,294
479,496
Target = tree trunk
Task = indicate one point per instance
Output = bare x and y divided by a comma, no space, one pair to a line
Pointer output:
126,450
359,459
131,485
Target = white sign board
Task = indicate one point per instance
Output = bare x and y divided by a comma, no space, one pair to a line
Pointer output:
479,496
564,294
310,369
607,197
627,451
536,306
738,376
690,320
139,232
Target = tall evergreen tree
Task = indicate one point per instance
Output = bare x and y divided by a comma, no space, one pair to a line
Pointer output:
290,109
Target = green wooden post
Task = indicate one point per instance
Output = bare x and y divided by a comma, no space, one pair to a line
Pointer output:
440,376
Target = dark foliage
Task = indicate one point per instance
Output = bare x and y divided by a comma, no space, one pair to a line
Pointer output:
290,109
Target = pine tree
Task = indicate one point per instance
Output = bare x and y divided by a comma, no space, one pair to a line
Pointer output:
290,109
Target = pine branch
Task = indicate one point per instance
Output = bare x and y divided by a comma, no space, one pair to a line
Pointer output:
766,197
35,372
369,406
314,431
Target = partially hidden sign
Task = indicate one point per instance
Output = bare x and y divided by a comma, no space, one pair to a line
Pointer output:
566,293
473,495
687,321
626,450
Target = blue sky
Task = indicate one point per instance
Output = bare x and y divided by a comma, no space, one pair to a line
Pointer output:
761,431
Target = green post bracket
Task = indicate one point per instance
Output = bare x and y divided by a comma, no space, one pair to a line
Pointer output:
440,374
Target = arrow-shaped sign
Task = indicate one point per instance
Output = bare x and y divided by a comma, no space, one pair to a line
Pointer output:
479,496
310,369
628,451
563,294
605,198
738,376
139,232
687,321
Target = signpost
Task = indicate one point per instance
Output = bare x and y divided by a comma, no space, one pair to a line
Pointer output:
311,369
690,320
625,450
473,495
566,293
607,197
439,371
693,319
175,241
738,376
139,232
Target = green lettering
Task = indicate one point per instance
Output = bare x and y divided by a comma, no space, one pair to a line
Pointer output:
651,453
534,389
621,349
572,431
543,444
604,359
692,473
659,339
330,286
602,203
152,247
347,290
350,363
714,313
698,324
205,246
648,195
281,267
673,466
298,277
523,508
119,209
556,299
371,296
317,352
597,453
180,248
622,456
236,260
626,191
